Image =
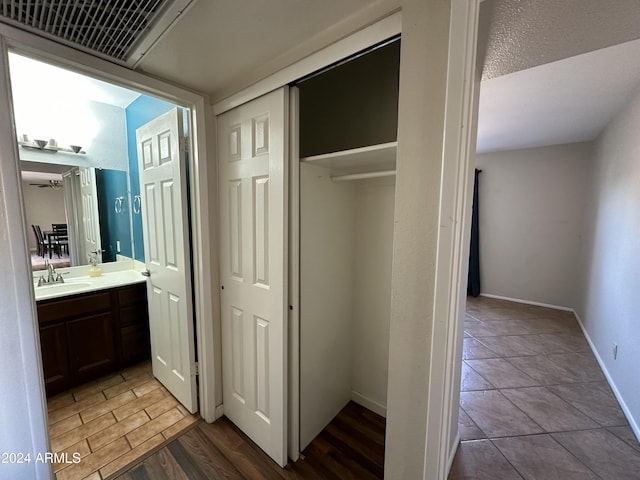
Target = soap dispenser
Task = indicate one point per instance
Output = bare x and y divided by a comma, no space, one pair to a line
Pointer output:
94,269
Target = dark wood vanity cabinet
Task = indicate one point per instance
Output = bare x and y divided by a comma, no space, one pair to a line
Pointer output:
85,336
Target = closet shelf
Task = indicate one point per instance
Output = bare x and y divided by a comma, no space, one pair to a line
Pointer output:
374,158
363,176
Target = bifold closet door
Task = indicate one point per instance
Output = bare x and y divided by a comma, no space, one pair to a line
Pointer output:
252,156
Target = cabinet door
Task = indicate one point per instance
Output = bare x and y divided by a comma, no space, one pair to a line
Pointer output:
134,335
53,345
91,346
133,325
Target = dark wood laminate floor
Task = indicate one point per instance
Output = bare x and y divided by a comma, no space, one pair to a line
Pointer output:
350,447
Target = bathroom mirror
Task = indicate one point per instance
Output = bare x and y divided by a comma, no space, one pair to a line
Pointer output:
71,127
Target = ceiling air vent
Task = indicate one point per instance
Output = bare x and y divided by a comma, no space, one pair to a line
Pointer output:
114,29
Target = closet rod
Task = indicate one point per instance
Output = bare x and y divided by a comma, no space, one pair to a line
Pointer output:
362,176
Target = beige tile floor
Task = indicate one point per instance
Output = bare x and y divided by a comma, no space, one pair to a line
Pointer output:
111,422
534,402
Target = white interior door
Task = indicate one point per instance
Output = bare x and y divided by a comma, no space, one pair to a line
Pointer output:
163,186
90,219
73,211
253,210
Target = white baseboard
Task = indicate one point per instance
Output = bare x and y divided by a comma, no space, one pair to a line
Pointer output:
369,403
527,302
452,453
632,421
219,411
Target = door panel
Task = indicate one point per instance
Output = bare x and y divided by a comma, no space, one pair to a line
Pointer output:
166,244
253,210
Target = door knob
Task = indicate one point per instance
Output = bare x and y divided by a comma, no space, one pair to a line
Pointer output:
146,273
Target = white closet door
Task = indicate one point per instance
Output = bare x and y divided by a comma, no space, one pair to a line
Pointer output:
252,159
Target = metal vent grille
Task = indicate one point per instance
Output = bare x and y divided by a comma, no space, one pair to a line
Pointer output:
111,28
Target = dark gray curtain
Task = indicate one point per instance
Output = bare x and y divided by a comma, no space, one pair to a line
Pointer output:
473,282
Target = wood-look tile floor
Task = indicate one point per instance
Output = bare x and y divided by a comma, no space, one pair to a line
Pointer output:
111,422
534,402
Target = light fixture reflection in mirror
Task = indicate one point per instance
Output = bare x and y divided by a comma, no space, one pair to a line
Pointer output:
48,146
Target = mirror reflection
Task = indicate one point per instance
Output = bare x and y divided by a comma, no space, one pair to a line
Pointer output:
79,170
67,225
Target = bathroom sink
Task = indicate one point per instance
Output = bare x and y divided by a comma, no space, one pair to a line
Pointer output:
62,288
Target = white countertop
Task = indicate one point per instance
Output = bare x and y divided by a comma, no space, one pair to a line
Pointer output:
75,282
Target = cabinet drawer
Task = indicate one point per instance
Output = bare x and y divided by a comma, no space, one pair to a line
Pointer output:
70,307
132,294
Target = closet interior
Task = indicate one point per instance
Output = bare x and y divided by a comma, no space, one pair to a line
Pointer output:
347,146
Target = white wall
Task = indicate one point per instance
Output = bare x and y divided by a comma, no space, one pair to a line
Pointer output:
372,292
43,206
609,302
346,247
531,216
327,215
417,442
100,130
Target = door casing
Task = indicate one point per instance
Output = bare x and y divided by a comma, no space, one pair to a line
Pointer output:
201,179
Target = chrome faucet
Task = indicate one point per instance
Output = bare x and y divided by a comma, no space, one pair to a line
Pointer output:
52,272
51,275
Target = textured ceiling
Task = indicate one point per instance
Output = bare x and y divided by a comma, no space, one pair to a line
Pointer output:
555,71
566,101
527,33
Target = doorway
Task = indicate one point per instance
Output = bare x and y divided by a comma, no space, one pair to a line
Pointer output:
103,117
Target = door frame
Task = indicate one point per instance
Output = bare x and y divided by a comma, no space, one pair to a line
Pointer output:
203,224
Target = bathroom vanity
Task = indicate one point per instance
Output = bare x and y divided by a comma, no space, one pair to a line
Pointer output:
101,326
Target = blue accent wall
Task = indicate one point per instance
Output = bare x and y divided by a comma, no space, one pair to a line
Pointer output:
140,111
114,225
